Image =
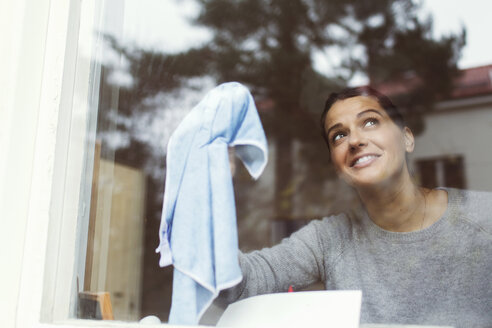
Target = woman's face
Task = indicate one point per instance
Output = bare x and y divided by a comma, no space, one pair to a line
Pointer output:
367,147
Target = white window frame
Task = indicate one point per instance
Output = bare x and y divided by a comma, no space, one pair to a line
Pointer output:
44,78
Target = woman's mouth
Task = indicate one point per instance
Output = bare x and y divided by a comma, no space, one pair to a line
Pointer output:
364,161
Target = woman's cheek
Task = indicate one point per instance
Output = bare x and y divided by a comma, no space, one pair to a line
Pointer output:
337,158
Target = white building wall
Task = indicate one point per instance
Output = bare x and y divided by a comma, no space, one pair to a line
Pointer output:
465,131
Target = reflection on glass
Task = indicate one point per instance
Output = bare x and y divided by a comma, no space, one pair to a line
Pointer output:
156,66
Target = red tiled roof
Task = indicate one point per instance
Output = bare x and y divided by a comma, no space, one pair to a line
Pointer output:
473,81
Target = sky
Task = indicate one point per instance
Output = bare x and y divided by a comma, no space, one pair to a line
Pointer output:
475,15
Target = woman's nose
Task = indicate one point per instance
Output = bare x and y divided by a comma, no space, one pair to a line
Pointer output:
357,140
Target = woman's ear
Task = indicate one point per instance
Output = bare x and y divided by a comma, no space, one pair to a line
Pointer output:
409,139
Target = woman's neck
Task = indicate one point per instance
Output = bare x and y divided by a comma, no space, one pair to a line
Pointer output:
399,207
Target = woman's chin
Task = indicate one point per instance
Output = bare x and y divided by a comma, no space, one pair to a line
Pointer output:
367,181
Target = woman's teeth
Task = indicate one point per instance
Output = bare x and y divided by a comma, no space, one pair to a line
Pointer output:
364,159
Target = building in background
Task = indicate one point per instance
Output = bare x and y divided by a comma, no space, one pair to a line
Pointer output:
454,148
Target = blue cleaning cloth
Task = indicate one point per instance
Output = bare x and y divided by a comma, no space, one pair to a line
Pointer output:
198,232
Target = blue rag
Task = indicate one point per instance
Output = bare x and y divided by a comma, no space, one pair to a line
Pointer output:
198,232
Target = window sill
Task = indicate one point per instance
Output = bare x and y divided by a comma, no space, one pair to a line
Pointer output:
77,323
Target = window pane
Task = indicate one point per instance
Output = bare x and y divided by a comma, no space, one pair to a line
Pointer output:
140,99
157,59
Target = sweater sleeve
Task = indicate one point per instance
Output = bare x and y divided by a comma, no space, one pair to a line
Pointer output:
297,261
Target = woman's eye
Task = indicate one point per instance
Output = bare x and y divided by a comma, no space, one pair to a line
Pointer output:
337,136
370,122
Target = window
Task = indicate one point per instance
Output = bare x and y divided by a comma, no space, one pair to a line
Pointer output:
113,83
445,171
143,81
141,88
135,103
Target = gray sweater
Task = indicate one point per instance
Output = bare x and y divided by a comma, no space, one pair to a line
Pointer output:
437,276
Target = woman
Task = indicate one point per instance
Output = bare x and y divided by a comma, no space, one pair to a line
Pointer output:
420,256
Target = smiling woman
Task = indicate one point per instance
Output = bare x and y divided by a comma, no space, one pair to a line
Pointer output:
368,145
361,136
408,248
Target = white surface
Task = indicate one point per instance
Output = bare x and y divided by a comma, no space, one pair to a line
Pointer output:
299,309
150,320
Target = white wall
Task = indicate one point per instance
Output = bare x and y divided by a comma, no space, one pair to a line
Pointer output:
465,131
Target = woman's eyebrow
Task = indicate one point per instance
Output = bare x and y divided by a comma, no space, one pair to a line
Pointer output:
368,111
358,115
333,127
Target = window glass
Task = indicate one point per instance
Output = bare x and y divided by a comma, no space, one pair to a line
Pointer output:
157,59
